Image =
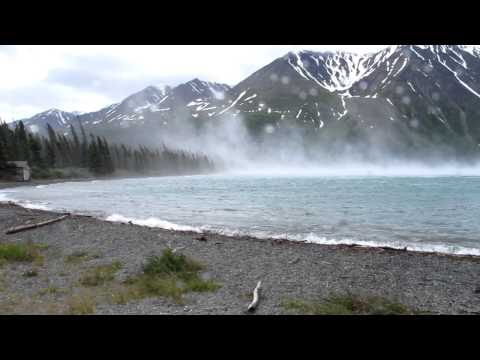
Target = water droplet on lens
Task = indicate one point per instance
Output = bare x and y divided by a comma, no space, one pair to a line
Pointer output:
406,100
285,80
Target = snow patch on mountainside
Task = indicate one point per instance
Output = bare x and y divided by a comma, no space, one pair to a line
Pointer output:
337,71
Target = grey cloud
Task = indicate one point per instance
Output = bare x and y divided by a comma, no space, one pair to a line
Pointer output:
34,95
107,76
108,84
40,96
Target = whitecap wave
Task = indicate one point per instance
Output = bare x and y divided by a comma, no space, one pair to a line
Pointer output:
425,247
4,197
305,238
33,206
24,203
152,222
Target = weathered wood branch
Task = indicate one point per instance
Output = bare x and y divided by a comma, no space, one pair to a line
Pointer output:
17,229
294,261
256,298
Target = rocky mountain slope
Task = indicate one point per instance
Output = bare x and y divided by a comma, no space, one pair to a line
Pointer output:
405,100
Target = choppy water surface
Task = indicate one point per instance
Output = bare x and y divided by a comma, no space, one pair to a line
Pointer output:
422,213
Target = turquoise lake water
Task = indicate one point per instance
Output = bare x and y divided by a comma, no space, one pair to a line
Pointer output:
423,213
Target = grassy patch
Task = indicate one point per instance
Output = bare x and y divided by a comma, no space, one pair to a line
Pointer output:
42,246
29,252
80,304
197,284
170,275
348,305
170,263
123,294
145,286
52,290
99,275
78,256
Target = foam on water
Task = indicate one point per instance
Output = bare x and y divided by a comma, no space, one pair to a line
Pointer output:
438,248
306,238
33,206
24,203
152,222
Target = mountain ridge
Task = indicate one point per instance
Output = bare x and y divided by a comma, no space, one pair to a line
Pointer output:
428,95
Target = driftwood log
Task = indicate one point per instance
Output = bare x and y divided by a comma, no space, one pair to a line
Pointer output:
256,298
17,229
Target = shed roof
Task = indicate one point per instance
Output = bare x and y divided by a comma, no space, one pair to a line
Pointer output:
20,164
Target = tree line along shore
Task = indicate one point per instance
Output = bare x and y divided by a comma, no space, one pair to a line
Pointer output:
71,155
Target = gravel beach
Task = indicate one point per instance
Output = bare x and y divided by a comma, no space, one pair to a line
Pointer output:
434,283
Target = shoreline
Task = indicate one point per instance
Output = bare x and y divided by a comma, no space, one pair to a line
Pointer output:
434,282
35,182
206,232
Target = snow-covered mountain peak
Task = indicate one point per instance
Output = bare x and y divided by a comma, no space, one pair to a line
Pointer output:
53,111
335,71
196,88
53,116
200,86
339,71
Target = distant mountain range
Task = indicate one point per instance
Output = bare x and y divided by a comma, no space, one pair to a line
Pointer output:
405,99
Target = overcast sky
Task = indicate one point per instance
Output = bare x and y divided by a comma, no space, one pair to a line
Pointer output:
87,78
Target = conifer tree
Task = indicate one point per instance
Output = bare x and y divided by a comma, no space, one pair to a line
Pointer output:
35,148
76,147
94,158
83,146
3,155
102,158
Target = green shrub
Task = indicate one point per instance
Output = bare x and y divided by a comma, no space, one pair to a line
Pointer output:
171,264
170,275
348,305
80,304
42,173
197,284
100,274
10,252
158,286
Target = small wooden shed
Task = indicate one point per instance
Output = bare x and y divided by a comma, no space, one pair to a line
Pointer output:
21,170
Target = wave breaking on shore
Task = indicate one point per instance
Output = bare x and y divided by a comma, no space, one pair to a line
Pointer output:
310,238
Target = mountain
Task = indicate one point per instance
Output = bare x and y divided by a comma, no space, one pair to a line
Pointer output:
406,99
150,104
58,119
